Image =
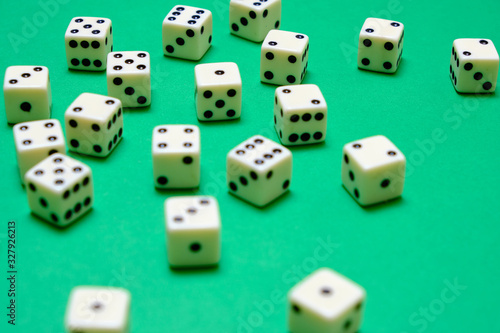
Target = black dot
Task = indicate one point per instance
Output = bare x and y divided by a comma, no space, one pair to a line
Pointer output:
268,75
290,78
244,21
74,143
385,183
478,76
468,66
243,181
25,106
53,151
305,137
190,33
319,116
54,218
86,181
73,43
220,103
207,94
388,46
273,43
180,41
467,53
129,91
187,160
117,81
367,43
66,195
252,14
231,92
286,184
230,113
351,175
387,65
32,187
317,135
169,48
195,247
96,127
356,193
292,59
75,62
78,207
208,114
277,24
110,145
253,175
365,61
191,22
95,44
84,44
270,55
295,308
347,324
86,62
76,188
483,42
97,63
487,86
306,117
233,186
97,148
87,201
235,27
162,180
68,214
96,32
43,202
293,137
141,100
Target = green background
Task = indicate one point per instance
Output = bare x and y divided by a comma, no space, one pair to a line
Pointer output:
406,253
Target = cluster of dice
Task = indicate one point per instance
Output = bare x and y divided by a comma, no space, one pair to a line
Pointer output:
60,188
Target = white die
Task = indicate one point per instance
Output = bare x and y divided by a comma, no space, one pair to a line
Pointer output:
176,156
380,45
373,170
300,114
474,65
35,140
27,93
193,230
284,57
259,170
94,124
218,91
98,310
253,19
326,302
88,40
60,189
187,32
129,78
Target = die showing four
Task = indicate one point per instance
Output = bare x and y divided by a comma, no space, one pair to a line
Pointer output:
88,40
27,93
253,19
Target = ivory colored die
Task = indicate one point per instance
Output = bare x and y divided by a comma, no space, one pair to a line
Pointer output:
218,91
373,170
27,93
193,231
253,19
98,310
326,302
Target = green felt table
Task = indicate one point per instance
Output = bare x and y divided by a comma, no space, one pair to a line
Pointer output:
429,261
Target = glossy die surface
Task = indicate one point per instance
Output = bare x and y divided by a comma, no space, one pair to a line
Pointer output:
253,19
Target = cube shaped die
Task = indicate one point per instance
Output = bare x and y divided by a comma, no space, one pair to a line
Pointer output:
187,32
193,230
94,124
218,91
474,65
373,170
253,19
176,153
88,41
284,57
98,309
27,93
129,78
300,114
259,170
35,140
380,45
60,189
326,301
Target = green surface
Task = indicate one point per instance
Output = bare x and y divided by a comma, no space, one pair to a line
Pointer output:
406,253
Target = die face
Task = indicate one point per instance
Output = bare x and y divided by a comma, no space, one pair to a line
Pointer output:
94,124
60,189
218,91
474,65
187,32
129,78
380,45
35,140
326,301
27,93
300,114
98,309
373,170
252,19
259,170
176,156
284,57
88,40
193,230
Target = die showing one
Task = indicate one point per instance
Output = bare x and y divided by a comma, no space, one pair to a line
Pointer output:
60,189
98,310
193,231
35,140
27,93
129,78
253,19
259,170
94,124
218,91
88,41
380,45
187,32
176,156
300,114
326,301
474,65
373,170
284,57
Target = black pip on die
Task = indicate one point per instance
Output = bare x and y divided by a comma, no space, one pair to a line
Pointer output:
187,32
88,41
129,78
253,19
380,45
284,57
474,65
